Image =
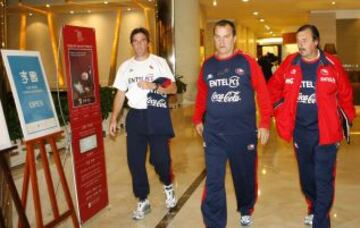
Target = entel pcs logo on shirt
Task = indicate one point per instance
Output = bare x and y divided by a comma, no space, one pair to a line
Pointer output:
232,82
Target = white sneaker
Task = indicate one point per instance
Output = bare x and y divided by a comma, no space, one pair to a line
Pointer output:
246,220
308,220
170,196
143,208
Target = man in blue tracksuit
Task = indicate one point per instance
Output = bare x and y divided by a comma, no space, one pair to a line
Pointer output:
225,115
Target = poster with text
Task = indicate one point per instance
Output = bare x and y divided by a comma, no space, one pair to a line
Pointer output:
85,120
4,133
31,93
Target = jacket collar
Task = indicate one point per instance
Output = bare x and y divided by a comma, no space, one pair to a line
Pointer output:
323,60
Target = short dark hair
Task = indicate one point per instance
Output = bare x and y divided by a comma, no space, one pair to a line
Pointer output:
223,23
314,32
140,30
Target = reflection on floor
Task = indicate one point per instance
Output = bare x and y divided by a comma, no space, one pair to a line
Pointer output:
280,203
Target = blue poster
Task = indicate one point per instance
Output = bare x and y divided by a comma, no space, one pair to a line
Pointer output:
31,88
31,92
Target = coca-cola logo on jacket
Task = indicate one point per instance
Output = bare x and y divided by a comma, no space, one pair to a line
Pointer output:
229,97
161,103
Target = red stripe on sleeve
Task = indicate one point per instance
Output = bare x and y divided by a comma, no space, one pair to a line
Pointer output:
200,104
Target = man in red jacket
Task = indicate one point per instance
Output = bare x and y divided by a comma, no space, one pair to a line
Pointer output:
225,115
309,91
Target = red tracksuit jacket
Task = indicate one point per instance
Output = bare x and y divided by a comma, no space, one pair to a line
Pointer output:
333,91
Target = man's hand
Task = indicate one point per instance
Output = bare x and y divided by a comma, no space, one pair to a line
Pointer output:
263,135
112,128
199,128
147,85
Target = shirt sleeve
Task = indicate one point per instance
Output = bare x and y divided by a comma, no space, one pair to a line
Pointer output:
121,81
345,92
200,103
165,70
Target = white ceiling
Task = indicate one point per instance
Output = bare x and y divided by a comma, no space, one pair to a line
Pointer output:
280,15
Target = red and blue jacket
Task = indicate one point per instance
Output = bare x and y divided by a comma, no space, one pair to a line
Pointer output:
333,91
225,99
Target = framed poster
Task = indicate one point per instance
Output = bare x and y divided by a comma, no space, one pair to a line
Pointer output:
31,93
82,80
4,133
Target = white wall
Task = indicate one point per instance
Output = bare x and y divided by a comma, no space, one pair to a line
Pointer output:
38,38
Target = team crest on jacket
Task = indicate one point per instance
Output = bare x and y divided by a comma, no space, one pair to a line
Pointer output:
209,76
324,72
239,71
251,147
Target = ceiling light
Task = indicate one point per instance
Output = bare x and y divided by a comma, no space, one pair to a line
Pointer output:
214,3
47,5
72,12
30,14
128,9
245,0
256,13
106,2
267,27
262,20
333,2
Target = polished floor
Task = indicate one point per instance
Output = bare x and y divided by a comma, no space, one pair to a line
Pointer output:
280,202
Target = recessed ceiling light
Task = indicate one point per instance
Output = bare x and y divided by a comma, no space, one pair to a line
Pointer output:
47,5
262,20
30,14
106,2
128,9
256,13
72,12
333,2
214,3
245,0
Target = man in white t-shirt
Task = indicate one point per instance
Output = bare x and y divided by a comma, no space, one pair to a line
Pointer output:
135,80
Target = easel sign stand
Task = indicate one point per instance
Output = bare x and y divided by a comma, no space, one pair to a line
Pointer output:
40,125
30,174
4,166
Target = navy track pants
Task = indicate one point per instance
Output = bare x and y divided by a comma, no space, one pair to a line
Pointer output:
317,165
137,141
241,152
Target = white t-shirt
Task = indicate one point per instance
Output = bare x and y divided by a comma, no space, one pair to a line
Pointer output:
132,71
